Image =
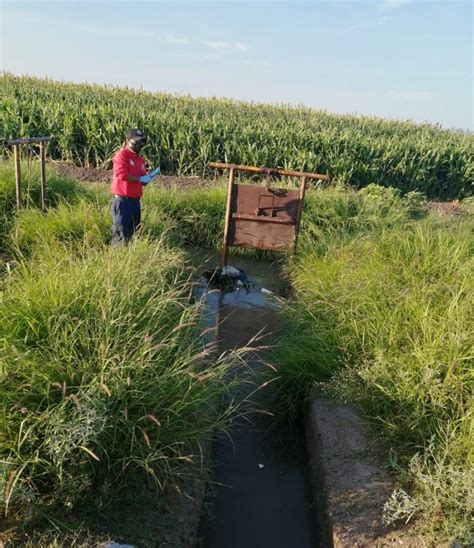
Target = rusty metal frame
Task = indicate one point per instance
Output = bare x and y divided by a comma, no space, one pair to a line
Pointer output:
260,214
15,143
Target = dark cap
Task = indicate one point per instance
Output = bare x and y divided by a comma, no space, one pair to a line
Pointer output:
135,135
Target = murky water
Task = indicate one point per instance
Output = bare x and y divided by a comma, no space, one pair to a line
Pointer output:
260,496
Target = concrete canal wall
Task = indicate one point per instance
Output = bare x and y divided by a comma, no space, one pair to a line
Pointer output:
350,484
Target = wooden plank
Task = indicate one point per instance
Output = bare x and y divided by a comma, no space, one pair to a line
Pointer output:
227,216
300,209
258,235
43,175
261,219
255,231
269,171
26,141
247,198
16,152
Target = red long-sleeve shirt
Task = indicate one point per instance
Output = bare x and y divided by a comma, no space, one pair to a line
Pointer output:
126,162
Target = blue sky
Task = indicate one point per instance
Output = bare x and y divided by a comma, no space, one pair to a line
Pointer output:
391,58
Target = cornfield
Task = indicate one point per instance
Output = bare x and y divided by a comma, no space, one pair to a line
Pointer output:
88,123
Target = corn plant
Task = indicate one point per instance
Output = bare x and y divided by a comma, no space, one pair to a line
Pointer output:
89,122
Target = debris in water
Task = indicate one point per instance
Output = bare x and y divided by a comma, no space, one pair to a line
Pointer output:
266,291
113,544
231,271
227,278
261,466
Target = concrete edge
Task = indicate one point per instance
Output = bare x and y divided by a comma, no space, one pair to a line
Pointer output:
318,480
193,505
186,506
349,484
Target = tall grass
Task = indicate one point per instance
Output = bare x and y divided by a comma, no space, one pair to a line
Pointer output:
78,226
78,211
194,218
98,345
57,189
89,122
383,313
103,373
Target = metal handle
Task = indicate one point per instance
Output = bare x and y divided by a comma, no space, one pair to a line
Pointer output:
259,209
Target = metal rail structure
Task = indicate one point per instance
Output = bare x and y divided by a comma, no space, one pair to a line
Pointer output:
15,143
262,217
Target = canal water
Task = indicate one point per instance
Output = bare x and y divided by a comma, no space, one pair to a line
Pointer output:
260,494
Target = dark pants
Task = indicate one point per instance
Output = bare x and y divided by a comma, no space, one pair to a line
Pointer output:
125,217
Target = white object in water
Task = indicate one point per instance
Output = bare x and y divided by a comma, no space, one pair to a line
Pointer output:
113,544
230,271
261,466
266,291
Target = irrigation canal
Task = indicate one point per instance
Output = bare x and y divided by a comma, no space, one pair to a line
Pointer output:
260,496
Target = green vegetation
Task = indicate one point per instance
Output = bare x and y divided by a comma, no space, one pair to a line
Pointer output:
380,315
88,123
101,368
382,310
106,378
194,218
58,189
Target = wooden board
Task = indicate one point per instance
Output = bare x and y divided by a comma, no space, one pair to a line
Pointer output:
263,218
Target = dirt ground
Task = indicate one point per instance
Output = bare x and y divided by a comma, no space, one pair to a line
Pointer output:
83,174
139,516
446,209
98,175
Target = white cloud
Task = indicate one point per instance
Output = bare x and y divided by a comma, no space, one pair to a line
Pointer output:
410,95
240,46
222,46
381,20
256,64
388,5
172,39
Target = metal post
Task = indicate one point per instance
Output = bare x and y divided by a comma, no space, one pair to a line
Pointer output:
300,210
270,171
16,151
227,215
43,175
220,306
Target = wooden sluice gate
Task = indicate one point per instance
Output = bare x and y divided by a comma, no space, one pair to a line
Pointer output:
262,217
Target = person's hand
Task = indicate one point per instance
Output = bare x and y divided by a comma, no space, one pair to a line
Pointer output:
155,172
145,179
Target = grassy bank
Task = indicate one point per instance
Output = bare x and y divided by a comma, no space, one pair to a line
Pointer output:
88,123
106,382
59,189
381,316
101,358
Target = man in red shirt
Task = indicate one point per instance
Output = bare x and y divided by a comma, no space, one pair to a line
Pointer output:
129,178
